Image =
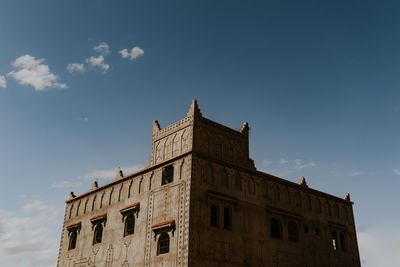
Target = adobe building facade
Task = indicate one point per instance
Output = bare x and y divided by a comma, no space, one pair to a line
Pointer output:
200,201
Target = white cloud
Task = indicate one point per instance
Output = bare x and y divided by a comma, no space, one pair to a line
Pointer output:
98,62
66,184
76,67
300,165
85,119
109,174
379,246
133,54
102,48
26,236
283,161
396,171
3,83
31,71
356,173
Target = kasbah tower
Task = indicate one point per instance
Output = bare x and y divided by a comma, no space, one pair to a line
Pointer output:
200,201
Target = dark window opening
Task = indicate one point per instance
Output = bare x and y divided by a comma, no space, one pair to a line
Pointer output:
72,240
214,216
129,225
163,244
306,229
227,218
275,228
168,175
98,234
342,242
293,232
317,231
334,240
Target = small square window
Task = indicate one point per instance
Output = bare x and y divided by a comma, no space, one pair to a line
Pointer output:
168,175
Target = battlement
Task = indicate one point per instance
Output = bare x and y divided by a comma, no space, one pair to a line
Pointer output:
199,134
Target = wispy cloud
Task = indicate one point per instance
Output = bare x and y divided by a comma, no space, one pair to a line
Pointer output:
133,54
76,67
25,235
396,171
103,48
109,174
287,167
98,62
66,184
99,174
31,71
300,165
356,173
379,246
3,83
283,161
84,119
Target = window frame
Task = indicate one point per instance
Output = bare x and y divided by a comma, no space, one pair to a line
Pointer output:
168,175
96,233
97,222
293,232
274,230
214,215
335,243
127,221
73,231
164,237
228,218
128,212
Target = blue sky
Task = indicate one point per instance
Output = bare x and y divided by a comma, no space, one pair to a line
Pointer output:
318,82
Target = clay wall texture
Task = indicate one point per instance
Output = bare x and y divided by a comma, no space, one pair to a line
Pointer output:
211,167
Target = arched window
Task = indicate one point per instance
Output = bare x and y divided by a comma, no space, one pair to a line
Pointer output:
214,216
98,234
342,242
275,228
293,232
163,244
168,175
129,225
227,218
334,240
72,240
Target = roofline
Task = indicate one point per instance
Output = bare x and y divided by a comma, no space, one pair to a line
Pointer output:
253,171
133,175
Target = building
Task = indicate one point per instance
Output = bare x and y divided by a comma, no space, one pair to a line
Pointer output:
201,202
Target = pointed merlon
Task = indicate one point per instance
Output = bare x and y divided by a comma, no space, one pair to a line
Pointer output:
156,126
245,128
303,182
347,197
95,185
194,109
72,195
120,174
